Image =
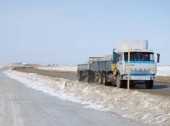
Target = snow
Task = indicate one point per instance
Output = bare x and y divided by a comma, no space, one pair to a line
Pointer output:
161,70
138,106
1,66
71,68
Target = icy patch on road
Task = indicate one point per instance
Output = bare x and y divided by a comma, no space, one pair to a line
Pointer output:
72,68
142,107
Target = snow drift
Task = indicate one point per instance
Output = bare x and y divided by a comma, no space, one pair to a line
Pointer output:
142,107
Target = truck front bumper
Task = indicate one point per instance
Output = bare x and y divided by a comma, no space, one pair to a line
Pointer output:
139,77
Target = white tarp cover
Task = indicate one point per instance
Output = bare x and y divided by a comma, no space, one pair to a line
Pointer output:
126,45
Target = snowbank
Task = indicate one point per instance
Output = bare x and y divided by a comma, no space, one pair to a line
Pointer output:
72,68
142,107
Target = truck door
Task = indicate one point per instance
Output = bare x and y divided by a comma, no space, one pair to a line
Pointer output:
120,63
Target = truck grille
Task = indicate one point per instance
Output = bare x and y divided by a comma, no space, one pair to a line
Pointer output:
140,71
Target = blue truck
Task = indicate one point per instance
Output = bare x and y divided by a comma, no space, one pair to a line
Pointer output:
131,60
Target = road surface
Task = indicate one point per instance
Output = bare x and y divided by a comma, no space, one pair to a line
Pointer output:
22,106
159,88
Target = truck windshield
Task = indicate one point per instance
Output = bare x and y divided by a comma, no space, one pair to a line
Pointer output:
140,56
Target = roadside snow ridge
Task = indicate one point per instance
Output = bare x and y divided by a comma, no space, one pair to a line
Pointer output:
142,107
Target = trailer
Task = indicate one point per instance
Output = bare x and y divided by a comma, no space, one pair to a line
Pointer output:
131,62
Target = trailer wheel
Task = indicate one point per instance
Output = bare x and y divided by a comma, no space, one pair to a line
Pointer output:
104,78
87,77
100,80
105,82
92,77
119,82
113,82
149,84
79,76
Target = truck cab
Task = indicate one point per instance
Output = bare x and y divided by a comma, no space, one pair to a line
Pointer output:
140,67
131,61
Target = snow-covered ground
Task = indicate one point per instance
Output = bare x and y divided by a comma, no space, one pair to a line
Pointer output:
1,66
72,68
142,107
161,70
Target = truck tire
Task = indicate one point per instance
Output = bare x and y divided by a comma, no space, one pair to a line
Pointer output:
92,77
113,82
87,77
149,84
119,82
79,76
104,78
124,84
100,80
105,82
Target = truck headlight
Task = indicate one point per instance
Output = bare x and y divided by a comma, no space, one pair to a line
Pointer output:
152,71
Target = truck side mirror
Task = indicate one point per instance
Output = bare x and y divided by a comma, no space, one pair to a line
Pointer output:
114,57
158,58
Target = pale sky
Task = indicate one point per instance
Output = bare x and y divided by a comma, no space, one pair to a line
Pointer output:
69,31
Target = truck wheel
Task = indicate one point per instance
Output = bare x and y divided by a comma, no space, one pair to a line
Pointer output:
124,83
149,84
119,82
92,78
79,76
100,78
132,86
113,83
105,79
87,77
